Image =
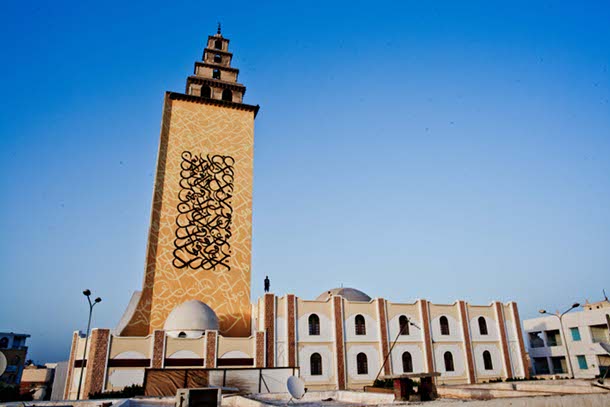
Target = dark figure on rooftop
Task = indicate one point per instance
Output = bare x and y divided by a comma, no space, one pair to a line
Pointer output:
267,284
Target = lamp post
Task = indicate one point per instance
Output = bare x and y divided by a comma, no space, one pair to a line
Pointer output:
86,293
561,333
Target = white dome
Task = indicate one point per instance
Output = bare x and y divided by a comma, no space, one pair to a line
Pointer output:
191,319
350,294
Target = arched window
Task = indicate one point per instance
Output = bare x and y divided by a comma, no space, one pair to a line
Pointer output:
217,58
315,364
482,326
444,325
4,343
448,362
487,361
360,325
216,74
227,95
206,92
404,325
218,44
362,364
182,335
407,363
314,324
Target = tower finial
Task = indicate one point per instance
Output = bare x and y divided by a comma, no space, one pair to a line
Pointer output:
218,32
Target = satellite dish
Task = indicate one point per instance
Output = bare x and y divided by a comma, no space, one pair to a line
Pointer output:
3,363
605,346
296,387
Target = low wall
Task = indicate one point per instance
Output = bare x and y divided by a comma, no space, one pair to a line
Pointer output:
344,396
576,400
518,389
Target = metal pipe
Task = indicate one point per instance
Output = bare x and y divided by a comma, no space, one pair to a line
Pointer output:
394,343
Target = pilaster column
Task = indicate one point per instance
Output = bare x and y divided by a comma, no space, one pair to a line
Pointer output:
211,341
259,349
270,328
427,334
291,317
158,351
467,342
522,352
339,340
71,362
503,339
97,362
383,337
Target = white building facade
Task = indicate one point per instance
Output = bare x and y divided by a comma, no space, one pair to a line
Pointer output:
338,341
583,331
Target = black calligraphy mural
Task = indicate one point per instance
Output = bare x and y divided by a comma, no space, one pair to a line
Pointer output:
204,212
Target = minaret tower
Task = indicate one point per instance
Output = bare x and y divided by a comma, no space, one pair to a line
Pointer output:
200,235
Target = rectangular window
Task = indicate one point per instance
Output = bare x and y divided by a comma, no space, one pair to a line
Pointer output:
599,333
559,364
553,338
536,340
582,362
575,334
541,366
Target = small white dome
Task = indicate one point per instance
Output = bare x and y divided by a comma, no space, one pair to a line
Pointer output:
350,294
191,319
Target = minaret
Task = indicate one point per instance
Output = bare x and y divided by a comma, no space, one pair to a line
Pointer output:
201,222
214,78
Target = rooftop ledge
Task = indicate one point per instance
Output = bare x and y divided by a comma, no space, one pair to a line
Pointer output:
214,102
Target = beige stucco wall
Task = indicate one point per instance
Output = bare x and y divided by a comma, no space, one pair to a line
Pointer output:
351,309
397,309
243,345
120,344
319,307
173,345
202,130
436,310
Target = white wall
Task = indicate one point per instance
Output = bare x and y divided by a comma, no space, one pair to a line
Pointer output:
326,329
372,355
455,331
415,335
126,377
372,329
492,329
496,359
416,354
327,363
458,360
586,347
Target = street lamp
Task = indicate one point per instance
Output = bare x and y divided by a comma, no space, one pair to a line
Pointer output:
565,342
86,293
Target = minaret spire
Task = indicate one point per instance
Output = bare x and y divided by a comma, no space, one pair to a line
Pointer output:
214,77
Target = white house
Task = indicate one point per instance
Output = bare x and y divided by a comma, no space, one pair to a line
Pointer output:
582,332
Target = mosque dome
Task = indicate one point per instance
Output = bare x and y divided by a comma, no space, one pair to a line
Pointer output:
190,320
350,294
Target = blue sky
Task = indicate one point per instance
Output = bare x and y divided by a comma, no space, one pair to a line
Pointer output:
446,150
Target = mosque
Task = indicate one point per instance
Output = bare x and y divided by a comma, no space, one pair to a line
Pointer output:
195,311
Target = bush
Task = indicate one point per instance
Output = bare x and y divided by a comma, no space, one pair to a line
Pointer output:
523,379
11,393
127,392
384,384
